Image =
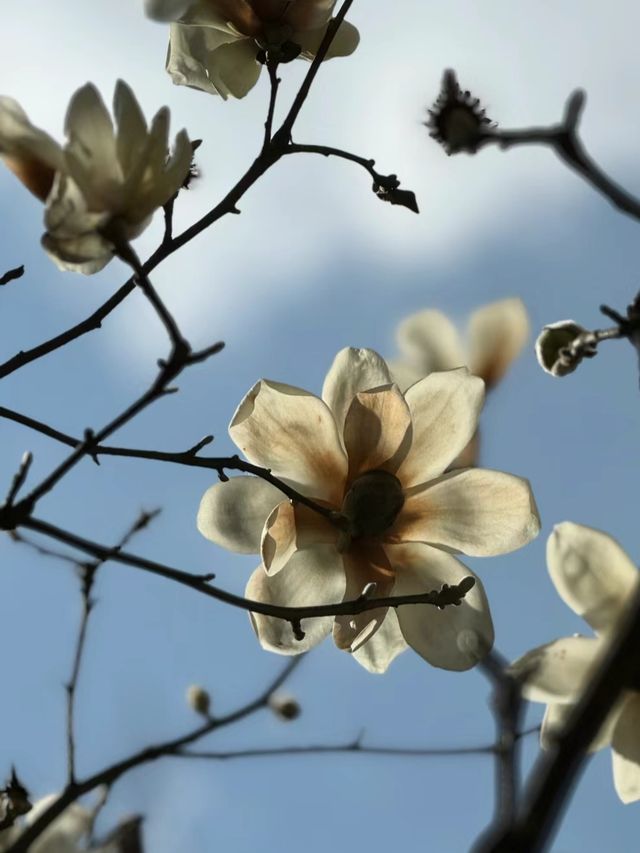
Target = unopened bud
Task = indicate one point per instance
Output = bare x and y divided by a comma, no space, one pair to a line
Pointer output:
284,706
198,699
553,348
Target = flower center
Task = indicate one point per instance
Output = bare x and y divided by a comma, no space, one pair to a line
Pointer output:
370,507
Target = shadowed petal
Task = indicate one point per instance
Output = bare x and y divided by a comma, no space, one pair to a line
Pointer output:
377,430
591,572
383,647
430,342
444,412
497,334
363,565
626,750
294,434
344,42
557,671
555,719
353,370
477,512
313,576
454,638
289,528
233,514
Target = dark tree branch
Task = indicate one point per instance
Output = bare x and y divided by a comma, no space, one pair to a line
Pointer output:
111,774
274,83
11,275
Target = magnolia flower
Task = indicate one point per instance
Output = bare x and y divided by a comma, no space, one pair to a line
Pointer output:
104,184
377,458
595,577
429,341
215,45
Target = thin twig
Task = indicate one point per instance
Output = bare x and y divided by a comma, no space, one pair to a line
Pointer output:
274,83
111,774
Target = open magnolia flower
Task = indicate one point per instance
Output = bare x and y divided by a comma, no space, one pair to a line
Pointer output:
105,183
429,341
377,458
596,578
215,45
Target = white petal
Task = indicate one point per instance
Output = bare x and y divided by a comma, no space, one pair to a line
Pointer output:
166,10
557,671
383,647
626,750
212,60
454,638
289,528
293,433
91,146
555,719
497,334
62,835
313,576
444,412
233,514
475,511
377,431
431,342
364,565
591,572
131,137
404,374
344,42
353,370
29,152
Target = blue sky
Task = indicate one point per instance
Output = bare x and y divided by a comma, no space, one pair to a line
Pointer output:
315,263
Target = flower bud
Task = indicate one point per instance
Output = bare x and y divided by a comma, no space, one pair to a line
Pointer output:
553,348
284,706
198,699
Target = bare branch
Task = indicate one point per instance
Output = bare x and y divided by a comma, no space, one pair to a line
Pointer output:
11,275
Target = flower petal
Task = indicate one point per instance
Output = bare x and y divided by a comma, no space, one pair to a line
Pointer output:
313,576
63,834
377,431
233,514
212,60
294,434
131,136
344,42
444,412
555,719
591,572
454,638
626,750
353,370
557,671
383,647
430,342
166,10
289,528
403,374
478,512
497,334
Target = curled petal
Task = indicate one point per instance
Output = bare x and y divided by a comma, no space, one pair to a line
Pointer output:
313,576
444,413
475,511
558,671
377,431
591,572
454,638
497,334
625,745
294,434
430,342
353,370
289,528
233,514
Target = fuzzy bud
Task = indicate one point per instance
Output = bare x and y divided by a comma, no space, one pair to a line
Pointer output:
285,706
198,699
553,348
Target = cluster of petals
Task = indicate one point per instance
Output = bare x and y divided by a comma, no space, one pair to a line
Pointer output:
597,579
215,44
429,341
105,183
377,457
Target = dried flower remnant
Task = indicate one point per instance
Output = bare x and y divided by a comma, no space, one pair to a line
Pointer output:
104,182
597,580
456,120
14,801
219,46
554,349
375,457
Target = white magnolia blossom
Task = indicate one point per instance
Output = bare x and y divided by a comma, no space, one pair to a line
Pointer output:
63,835
596,578
377,457
103,181
214,44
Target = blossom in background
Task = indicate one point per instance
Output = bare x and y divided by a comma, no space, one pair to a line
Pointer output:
215,45
376,457
429,341
63,835
596,578
103,181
